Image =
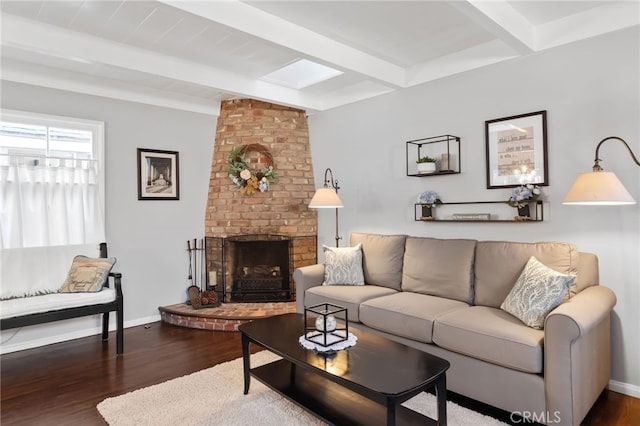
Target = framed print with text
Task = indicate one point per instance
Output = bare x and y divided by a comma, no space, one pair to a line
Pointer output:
158,175
516,149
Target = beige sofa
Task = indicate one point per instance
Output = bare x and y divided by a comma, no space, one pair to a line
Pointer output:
443,296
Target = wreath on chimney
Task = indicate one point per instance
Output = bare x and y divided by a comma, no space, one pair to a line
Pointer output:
250,168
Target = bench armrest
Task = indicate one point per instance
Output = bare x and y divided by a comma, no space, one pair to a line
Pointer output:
577,355
306,277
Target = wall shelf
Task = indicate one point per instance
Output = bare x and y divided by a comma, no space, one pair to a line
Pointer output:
445,149
467,211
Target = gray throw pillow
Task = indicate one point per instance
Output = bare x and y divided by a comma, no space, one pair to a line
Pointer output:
343,265
538,291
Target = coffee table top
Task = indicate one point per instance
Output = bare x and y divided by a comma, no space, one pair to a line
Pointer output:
377,363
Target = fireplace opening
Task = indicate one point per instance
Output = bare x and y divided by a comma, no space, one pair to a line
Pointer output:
251,268
261,270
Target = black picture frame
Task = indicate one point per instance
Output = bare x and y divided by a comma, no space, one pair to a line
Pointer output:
516,150
158,174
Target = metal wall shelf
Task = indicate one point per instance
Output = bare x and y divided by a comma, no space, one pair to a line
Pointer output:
436,147
506,214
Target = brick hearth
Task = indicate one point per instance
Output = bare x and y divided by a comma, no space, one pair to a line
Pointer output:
226,317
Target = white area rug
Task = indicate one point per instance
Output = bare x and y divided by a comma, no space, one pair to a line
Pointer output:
214,397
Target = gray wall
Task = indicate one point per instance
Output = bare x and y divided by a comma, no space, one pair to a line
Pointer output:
147,237
590,91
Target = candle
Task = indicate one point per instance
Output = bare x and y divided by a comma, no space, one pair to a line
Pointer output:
213,278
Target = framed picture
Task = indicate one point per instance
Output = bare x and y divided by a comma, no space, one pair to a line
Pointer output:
158,175
517,150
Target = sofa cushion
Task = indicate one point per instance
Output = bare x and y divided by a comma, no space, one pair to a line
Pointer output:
348,297
439,267
406,314
343,265
491,335
498,265
382,258
539,289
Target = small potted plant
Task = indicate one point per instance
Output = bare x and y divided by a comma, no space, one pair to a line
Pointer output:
520,198
428,199
426,164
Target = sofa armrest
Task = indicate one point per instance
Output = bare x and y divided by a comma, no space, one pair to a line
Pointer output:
305,278
577,355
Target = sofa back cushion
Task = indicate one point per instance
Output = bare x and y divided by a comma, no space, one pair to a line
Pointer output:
439,267
500,263
382,257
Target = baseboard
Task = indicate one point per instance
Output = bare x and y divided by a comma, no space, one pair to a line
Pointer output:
77,334
624,388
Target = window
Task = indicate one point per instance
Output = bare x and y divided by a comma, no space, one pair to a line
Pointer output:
51,180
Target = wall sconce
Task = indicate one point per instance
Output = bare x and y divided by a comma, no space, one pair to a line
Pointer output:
326,197
600,188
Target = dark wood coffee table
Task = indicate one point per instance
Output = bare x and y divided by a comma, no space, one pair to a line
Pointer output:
363,385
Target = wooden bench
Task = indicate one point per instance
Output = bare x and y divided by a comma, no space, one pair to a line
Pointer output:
116,306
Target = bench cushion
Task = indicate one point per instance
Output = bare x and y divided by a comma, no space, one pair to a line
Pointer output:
32,271
53,302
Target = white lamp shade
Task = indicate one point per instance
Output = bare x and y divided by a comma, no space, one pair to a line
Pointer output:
325,198
598,188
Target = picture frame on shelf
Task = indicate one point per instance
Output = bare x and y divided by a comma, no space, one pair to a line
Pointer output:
516,150
158,174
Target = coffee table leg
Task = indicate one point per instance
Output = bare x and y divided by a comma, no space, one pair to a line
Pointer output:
391,412
441,394
246,362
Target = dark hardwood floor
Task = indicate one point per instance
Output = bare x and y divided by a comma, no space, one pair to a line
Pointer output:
61,384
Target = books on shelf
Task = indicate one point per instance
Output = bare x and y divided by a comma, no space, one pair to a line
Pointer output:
471,216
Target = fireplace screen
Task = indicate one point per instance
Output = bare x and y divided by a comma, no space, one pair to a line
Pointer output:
252,268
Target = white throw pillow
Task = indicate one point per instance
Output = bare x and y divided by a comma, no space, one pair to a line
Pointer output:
343,265
538,291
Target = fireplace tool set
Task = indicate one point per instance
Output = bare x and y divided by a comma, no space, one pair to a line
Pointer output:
199,297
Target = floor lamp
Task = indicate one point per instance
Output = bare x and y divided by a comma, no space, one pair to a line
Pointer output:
327,197
600,188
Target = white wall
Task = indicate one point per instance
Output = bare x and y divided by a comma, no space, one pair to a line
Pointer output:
147,237
590,91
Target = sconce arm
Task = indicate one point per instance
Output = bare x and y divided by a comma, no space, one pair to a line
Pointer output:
597,160
333,182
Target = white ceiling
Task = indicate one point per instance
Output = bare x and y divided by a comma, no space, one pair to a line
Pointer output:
193,54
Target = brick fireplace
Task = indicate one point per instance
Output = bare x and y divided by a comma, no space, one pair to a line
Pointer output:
278,214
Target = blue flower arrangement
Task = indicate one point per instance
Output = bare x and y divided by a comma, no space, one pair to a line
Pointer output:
429,198
524,194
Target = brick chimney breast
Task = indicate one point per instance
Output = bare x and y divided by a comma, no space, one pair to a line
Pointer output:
282,209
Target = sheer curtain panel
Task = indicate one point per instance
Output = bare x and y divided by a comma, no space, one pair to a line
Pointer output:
45,205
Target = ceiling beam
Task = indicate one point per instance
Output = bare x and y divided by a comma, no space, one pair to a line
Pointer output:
62,43
503,21
590,23
253,21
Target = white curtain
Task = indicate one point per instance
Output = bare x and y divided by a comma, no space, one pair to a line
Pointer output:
42,205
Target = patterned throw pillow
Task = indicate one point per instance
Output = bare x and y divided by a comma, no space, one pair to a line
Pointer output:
87,274
343,266
538,291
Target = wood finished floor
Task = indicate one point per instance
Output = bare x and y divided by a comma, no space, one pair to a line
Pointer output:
61,384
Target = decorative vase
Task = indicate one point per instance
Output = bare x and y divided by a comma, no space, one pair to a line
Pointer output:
524,211
426,167
326,323
444,162
427,212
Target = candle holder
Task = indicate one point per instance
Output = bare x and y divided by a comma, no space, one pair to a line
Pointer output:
326,330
